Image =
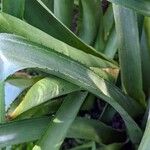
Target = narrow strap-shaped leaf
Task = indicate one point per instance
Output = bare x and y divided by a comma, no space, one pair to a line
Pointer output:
90,20
141,6
63,10
145,142
40,37
49,4
52,106
13,25
15,86
147,29
15,8
21,81
37,14
32,129
100,131
140,20
59,125
107,114
15,43
129,52
46,108
112,44
2,102
108,19
42,91
145,48
99,40
54,63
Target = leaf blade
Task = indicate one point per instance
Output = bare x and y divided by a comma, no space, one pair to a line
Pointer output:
140,6
58,127
15,8
17,129
73,72
42,91
129,52
63,10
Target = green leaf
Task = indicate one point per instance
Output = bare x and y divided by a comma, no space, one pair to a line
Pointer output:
23,82
147,29
52,106
49,4
99,40
2,102
90,20
18,131
141,6
63,10
112,44
16,101
129,52
37,14
140,20
108,20
42,91
107,114
15,8
145,55
17,53
145,142
46,108
59,125
13,25
17,85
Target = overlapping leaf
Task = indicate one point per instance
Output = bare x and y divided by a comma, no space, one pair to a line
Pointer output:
90,20
37,14
63,10
15,8
129,52
42,91
18,131
141,6
10,24
59,125
28,55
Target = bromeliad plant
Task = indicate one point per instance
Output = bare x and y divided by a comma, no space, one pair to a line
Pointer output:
102,66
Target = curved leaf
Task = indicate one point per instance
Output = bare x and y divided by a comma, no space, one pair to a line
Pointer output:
42,91
37,14
18,131
54,63
15,85
49,107
13,25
